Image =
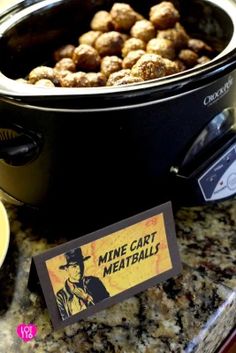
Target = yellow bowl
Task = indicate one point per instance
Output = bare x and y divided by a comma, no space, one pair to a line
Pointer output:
4,233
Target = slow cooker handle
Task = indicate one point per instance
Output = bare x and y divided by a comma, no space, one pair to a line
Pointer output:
18,149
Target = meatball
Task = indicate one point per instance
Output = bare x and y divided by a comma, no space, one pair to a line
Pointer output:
133,44
110,64
102,22
164,15
123,16
59,76
86,58
181,66
89,38
189,57
117,76
143,30
203,60
131,59
149,66
65,51
22,80
65,64
198,46
109,43
44,83
96,79
128,79
78,79
177,35
171,67
41,72
162,47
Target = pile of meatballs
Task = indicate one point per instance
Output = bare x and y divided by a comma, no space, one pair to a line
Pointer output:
122,48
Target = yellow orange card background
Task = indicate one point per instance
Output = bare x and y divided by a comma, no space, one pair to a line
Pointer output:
129,276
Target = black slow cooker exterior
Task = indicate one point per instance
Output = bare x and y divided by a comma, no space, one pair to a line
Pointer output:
111,152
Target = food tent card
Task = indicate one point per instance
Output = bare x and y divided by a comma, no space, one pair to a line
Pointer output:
102,268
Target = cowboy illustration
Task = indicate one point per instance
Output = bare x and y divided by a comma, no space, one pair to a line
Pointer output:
79,291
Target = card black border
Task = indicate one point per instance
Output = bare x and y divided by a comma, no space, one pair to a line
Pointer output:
39,261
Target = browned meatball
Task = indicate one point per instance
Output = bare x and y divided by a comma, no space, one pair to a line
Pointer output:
96,79
171,67
89,38
44,83
181,66
109,43
177,35
102,22
133,44
128,79
110,64
78,79
123,16
164,15
131,59
203,60
86,58
198,46
144,30
162,47
65,64
41,72
117,76
149,66
189,57
59,76
66,51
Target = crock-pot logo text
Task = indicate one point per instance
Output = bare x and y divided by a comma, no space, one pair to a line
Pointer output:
214,97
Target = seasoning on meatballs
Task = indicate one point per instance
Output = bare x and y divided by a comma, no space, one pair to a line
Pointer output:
164,15
44,83
86,58
110,64
133,44
89,38
102,22
96,79
65,64
123,16
78,79
117,76
132,57
177,35
149,66
109,43
128,79
144,30
189,57
66,51
41,72
199,46
162,47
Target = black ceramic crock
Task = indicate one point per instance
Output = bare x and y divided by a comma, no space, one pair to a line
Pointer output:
110,152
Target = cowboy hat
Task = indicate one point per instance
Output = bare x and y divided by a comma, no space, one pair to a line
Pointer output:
72,257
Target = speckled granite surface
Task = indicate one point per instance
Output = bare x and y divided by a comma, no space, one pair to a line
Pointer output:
190,313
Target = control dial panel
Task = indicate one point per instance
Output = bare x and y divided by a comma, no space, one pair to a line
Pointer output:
219,181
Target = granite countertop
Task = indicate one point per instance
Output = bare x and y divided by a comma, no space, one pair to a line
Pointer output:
193,312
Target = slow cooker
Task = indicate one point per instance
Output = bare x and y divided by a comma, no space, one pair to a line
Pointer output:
110,152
